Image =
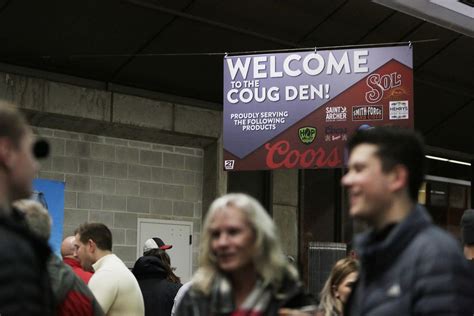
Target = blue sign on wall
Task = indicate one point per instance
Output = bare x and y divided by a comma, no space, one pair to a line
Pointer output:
53,193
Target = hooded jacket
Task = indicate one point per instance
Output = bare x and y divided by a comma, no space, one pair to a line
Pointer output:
158,293
415,268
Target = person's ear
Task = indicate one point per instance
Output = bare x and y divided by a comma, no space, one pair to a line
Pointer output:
91,245
399,178
5,152
334,291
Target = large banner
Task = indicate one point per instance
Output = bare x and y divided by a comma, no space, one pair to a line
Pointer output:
297,109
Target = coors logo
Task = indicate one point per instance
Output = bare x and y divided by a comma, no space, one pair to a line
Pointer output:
367,112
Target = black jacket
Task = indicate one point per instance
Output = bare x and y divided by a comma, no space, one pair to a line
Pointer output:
158,293
415,269
290,295
24,280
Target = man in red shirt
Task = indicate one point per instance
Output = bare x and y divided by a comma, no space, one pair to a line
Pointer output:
68,252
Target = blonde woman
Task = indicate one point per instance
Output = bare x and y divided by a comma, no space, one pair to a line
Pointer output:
338,287
243,270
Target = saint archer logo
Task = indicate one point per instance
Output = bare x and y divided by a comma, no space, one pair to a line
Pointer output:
307,134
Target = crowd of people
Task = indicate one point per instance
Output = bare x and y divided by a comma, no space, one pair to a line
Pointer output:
403,263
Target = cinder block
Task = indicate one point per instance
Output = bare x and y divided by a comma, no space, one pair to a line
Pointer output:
115,170
142,112
286,218
181,208
173,161
103,152
192,193
92,138
103,217
27,92
116,141
70,199
51,176
89,201
42,132
137,172
138,204
183,177
197,225
65,164
173,192
102,185
67,135
125,220
57,146
151,158
77,101
162,175
78,183
192,120
184,150
161,207
68,230
198,210
125,253
127,187
75,217
160,147
198,177
118,236
137,144
149,189
46,164
199,152
125,154
78,149
92,167
131,237
114,202
193,163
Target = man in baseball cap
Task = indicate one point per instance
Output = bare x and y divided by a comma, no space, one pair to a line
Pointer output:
467,230
155,243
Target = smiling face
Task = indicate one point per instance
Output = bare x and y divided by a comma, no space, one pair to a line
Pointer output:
232,240
368,185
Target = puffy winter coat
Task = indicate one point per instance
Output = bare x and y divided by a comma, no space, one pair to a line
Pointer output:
416,269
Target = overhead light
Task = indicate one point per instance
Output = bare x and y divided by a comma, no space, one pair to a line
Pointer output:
448,160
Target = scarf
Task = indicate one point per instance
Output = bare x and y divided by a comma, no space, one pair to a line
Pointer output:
254,305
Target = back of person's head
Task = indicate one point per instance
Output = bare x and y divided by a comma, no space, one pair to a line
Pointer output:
396,146
36,216
97,232
166,263
269,260
467,227
68,249
339,272
12,123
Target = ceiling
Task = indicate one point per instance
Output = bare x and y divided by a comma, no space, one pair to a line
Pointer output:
168,46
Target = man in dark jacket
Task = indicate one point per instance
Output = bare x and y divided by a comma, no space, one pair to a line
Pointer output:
408,265
24,283
158,292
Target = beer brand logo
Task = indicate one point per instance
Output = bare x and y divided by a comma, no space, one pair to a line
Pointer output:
367,112
336,113
307,134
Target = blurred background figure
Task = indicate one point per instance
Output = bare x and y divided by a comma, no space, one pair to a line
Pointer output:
24,282
243,270
71,295
467,229
69,254
156,247
338,287
157,281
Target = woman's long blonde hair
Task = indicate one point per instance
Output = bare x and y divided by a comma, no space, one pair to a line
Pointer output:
269,260
339,272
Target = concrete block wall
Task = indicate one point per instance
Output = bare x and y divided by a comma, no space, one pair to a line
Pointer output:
115,181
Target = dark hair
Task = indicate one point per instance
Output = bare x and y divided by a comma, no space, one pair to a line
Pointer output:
165,259
97,232
12,123
396,146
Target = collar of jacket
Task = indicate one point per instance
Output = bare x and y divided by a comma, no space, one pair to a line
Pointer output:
380,254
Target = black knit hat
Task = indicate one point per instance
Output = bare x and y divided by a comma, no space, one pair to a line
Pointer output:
467,227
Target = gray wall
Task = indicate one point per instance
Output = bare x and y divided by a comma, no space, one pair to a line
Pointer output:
115,181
